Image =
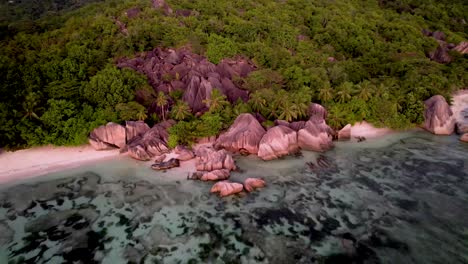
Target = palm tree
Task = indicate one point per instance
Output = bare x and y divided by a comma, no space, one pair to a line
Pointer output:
325,93
345,91
181,110
257,101
288,111
161,101
366,89
30,105
216,102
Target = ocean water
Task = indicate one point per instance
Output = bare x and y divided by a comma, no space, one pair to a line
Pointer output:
399,199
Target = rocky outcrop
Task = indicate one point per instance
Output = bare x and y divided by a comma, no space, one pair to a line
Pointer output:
250,184
133,12
162,5
345,133
244,135
438,117
108,136
169,69
226,188
462,47
464,137
183,153
441,54
296,126
278,141
209,159
135,129
165,165
315,136
152,143
317,112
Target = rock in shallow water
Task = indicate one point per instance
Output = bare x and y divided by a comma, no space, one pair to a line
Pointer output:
225,188
315,136
250,184
277,142
172,163
209,159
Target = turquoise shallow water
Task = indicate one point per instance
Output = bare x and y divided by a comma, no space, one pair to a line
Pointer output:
400,199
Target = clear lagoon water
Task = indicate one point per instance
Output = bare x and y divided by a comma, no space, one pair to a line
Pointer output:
399,199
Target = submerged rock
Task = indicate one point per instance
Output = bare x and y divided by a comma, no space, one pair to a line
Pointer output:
152,143
209,159
438,117
277,142
315,136
225,188
245,133
345,133
250,184
215,175
165,165
464,137
108,136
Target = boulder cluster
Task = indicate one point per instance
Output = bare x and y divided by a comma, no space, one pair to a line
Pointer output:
137,138
440,119
169,70
441,53
247,136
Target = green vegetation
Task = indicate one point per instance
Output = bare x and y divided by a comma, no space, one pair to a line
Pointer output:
360,59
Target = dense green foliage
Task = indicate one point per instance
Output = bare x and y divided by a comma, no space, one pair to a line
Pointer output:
59,80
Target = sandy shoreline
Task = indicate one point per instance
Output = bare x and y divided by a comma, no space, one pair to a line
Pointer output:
37,161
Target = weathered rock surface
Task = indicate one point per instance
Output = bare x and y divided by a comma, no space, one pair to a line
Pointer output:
315,136
168,70
345,133
278,141
216,175
183,153
225,188
135,129
317,112
296,126
441,54
152,143
464,137
162,5
462,47
209,159
133,12
165,165
244,134
160,158
108,136
250,184
438,117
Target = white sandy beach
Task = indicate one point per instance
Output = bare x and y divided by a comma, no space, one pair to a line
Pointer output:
33,162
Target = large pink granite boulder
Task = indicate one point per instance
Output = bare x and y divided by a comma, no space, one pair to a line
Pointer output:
243,136
315,136
438,117
209,159
108,136
250,184
152,143
226,188
135,129
278,141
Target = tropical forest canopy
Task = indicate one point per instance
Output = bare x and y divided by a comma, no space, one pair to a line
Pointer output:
363,60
